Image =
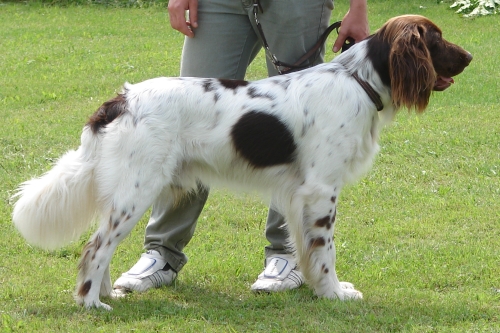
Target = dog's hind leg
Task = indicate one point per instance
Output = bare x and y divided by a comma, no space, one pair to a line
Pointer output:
130,193
93,278
136,160
314,241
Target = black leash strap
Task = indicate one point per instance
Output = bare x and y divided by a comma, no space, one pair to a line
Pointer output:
303,62
283,67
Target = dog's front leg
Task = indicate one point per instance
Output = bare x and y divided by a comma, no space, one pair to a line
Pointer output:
316,246
323,260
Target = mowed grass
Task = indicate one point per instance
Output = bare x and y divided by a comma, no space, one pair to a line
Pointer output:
419,235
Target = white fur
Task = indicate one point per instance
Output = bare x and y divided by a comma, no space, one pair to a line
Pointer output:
176,133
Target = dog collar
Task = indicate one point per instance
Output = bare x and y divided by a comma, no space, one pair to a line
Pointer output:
374,96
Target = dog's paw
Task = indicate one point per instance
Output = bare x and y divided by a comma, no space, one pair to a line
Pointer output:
349,293
346,285
98,305
95,305
343,291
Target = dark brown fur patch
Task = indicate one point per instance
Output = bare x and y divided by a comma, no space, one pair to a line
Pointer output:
85,288
315,242
324,222
232,84
263,139
108,112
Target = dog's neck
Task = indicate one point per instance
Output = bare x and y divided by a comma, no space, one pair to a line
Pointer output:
358,65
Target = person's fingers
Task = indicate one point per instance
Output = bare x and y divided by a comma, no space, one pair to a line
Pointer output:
193,13
339,41
177,11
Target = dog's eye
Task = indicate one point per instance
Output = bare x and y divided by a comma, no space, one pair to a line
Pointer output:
434,41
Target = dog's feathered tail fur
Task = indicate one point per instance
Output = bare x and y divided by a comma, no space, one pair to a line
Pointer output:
58,207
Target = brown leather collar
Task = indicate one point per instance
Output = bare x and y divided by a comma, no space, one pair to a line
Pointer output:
374,96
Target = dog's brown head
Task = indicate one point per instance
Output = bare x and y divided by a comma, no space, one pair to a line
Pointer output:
419,60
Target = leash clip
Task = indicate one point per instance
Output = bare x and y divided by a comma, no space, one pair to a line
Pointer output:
257,6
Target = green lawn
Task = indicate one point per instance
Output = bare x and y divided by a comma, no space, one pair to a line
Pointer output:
419,235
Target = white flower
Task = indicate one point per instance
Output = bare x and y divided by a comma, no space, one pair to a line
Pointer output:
473,8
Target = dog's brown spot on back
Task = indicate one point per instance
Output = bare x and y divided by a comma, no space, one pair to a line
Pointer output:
263,139
108,112
233,84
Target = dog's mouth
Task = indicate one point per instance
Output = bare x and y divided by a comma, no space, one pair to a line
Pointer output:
443,83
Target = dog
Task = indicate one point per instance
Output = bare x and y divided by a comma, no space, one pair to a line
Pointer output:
299,137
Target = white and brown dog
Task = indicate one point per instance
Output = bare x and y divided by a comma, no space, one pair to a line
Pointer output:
300,137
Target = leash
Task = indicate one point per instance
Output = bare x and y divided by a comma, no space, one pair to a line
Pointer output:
283,67
314,51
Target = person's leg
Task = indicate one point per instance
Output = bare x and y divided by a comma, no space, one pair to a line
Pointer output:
291,28
219,52
171,226
169,229
224,44
223,47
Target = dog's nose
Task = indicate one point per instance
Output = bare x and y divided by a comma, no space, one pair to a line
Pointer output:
469,57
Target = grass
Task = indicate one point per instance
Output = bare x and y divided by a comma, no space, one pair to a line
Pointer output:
419,235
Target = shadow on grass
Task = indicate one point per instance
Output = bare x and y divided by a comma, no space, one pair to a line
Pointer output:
188,305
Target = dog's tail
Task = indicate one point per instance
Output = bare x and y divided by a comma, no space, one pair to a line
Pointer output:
58,207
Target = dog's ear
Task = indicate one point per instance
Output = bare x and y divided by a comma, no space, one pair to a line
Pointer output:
411,70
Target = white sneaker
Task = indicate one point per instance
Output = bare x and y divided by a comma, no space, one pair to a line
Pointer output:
151,271
280,274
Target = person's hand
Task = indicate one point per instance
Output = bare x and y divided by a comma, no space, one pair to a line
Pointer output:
354,25
177,13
